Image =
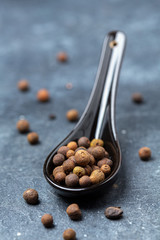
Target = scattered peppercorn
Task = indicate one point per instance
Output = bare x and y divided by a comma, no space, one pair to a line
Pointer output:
113,212
137,98
145,153
74,212
97,176
58,159
63,150
79,171
23,126
47,220
62,57
43,95
97,142
33,138
69,234
85,181
60,177
106,169
72,145
31,196
84,142
72,115
71,180
23,85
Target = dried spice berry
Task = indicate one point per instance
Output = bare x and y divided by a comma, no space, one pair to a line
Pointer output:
92,160
62,57
98,152
97,176
137,98
31,196
106,169
84,142
72,145
85,181
47,220
69,234
68,165
58,159
74,212
43,95
63,150
113,212
145,153
82,158
90,150
106,154
103,161
23,126
72,180
23,85
80,148
72,115
97,142
69,153
58,169
73,159
94,167
79,171
33,138
60,177
88,170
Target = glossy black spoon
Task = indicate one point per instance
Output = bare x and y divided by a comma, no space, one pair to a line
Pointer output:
98,119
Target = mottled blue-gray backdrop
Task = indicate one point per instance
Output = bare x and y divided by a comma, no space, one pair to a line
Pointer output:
31,34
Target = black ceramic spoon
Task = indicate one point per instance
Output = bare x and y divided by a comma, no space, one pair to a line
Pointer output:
98,119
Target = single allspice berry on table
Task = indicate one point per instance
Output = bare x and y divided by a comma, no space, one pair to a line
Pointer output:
145,153
43,95
62,57
72,115
74,211
33,138
137,98
69,234
23,126
31,196
113,212
23,85
47,220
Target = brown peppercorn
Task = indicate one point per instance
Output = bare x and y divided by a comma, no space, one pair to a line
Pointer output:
23,126
104,161
74,212
113,212
58,159
97,142
72,145
33,138
145,153
106,169
62,57
82,158
57,169
43,95
80,148
23,85
68,165
85,181
47,220
137,98
71,180
94,167
106,154
31,196
79,171
88,170
84,142
69,234
72,115
92,160
98,152
73,159
89,150
60,177
63,150
69,153
97,176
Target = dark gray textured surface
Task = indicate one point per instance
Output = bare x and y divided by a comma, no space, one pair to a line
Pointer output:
32,32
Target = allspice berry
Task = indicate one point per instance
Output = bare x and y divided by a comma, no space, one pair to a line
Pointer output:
137,98
31,196
43,95
69,234
62,57
60,177
74,212
72,145
72,180
106,154
84,142
97,142
88,170
145,153
113,212
69,153
82,158
72,115
106,169
23,85
68,165
63,150
97,176
57,169
23,126
47,220
58,159
80,148
98,152
79,171
103,161
85,181
92,160
33,138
